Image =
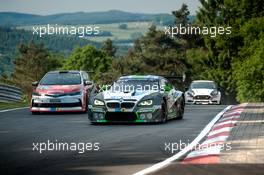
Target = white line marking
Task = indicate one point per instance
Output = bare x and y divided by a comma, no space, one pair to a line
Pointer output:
202,134
14,109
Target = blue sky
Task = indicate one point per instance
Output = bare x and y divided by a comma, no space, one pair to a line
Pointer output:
45,7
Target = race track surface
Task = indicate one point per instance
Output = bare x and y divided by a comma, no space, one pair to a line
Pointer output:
123,149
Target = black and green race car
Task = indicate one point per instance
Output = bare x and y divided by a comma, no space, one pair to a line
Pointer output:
136,98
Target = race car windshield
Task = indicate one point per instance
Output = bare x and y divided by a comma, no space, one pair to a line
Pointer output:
135,85
203,85
61,79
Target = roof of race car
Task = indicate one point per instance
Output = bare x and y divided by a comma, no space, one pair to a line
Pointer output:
141,77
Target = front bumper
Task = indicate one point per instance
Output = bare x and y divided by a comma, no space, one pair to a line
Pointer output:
103,114
57,104
203,100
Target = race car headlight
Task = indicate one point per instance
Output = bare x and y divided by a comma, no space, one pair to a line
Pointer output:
36,94
98,102
190,93
146,103
214,93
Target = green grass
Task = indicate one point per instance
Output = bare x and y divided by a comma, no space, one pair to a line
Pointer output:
11,105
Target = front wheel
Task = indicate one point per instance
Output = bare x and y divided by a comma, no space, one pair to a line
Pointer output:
86,106
180,110
164,113
35,113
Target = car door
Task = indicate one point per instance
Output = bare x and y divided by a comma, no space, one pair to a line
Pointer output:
170,96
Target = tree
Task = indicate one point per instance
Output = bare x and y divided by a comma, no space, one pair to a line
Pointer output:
123,26
250,73
109,48
154,53
191,45
89,58
31,64
181,15
249,69
225,52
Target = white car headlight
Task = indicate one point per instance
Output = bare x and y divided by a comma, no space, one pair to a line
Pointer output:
98,102
190,93
146,103
214,93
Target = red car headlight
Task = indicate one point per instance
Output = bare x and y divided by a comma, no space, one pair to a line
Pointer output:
36,94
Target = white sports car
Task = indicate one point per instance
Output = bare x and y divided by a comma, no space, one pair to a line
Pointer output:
203,92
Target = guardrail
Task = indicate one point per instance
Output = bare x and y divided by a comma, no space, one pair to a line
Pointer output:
10,93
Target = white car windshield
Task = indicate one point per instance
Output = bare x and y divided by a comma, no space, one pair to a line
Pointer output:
203,85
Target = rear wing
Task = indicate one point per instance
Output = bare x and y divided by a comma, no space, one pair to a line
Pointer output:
169,77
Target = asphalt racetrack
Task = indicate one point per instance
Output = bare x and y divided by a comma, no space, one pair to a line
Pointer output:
123,148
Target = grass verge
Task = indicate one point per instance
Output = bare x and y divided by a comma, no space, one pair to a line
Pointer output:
11,105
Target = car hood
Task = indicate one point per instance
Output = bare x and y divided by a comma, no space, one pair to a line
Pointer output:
58,89
202,91
134,95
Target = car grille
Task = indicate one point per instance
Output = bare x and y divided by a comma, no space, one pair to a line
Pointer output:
202,97
55,95
56,105
126,105
120,116
113,105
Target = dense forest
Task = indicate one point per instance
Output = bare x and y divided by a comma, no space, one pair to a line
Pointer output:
234,61
10,39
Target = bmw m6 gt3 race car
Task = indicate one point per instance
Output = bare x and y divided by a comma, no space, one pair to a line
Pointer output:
137,98
61,91
203,92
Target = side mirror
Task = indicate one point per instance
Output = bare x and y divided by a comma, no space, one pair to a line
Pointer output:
35,83
87,83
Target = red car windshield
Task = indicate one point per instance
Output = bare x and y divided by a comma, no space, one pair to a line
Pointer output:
61,79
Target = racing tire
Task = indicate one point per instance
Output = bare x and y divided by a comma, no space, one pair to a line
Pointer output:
220,101
35,113
86,106
164,113
180,111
